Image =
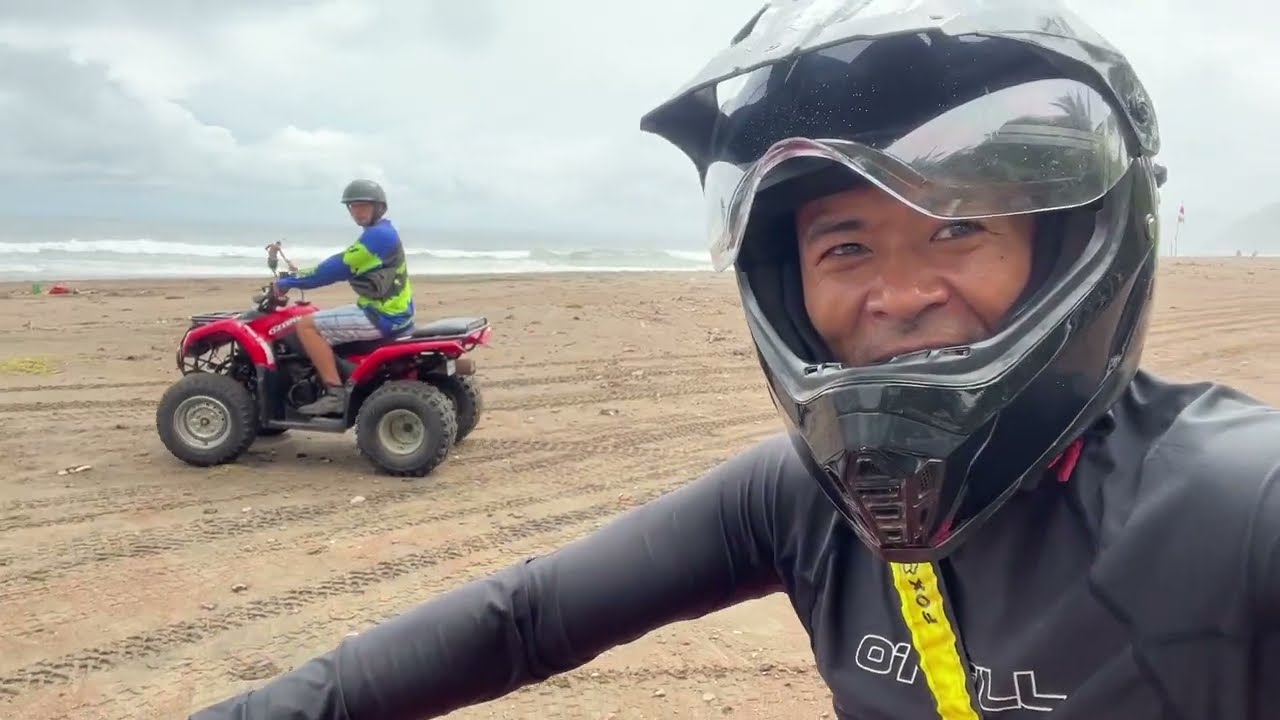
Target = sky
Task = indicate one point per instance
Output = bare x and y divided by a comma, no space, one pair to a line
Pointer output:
503,113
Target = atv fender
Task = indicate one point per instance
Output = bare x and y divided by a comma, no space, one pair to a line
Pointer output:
222,331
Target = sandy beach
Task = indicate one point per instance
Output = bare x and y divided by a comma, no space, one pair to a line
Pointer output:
143,588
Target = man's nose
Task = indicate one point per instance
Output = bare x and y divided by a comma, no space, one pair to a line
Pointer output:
904,290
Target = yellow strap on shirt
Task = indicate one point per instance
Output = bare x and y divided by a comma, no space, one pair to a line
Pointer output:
935,642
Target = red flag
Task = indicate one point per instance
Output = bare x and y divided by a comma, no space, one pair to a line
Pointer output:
1182,213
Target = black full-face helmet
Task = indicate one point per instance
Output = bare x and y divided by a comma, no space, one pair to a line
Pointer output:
961,110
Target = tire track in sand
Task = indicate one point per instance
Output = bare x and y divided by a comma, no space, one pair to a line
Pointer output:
136,403
610,365
1218,327
158,498
71,667
48,561
120,589
102,501
682,386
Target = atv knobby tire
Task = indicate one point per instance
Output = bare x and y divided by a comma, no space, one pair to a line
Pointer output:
207,419
386,414
468,402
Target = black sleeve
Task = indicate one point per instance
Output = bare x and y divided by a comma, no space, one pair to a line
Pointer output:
1266,553
1265,581
705,546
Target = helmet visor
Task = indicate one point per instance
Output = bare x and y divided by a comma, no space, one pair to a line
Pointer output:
1040,145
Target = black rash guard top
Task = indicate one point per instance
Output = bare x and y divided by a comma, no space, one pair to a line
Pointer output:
1147,586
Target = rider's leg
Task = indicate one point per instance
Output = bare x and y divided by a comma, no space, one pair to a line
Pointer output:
319,350
318,333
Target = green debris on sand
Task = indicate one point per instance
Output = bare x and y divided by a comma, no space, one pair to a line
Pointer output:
28,366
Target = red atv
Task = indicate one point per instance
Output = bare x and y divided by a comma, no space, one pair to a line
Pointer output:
410,398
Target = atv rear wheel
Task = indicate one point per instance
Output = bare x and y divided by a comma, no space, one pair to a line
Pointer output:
468,402
206,419
406,428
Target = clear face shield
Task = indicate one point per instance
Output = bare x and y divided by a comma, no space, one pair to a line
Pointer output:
1042,145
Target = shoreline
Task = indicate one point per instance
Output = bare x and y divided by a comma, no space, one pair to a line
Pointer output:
23,287
9,285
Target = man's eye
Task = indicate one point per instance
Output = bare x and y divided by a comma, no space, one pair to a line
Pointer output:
957,230
846,249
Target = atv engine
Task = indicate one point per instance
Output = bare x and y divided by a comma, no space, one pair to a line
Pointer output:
303,384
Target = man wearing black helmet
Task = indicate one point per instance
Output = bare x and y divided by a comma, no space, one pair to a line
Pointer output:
376,268
943,227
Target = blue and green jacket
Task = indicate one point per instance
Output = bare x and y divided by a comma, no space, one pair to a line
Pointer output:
378,272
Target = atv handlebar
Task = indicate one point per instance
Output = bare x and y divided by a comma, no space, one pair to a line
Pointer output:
269,300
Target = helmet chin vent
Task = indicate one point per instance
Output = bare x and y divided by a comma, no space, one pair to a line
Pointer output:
896,498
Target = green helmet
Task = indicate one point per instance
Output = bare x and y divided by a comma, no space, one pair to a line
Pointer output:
363,191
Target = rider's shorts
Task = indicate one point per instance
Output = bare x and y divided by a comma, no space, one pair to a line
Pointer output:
344,324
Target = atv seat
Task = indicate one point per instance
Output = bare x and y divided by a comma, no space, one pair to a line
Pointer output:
453,327
448,327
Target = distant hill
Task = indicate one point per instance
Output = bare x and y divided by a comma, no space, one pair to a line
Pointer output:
1259,231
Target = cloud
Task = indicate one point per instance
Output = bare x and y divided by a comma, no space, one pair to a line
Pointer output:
464,110
500,113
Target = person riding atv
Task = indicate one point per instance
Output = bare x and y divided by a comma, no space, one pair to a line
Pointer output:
376,267
942,217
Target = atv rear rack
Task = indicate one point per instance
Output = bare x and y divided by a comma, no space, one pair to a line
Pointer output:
206,318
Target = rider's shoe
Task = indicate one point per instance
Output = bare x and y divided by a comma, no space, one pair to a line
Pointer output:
333,402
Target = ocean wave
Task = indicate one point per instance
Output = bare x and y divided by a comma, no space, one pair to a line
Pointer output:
146,246
143,257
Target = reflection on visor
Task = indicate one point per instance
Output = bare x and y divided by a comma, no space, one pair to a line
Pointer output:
1039,146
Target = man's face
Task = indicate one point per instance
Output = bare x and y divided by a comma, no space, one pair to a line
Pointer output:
881,279
361,212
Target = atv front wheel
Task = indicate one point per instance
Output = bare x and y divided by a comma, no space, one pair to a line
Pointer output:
406,428
468,402
206,419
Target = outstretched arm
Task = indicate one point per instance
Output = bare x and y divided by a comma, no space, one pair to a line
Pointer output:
368,253
330,270
703,547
